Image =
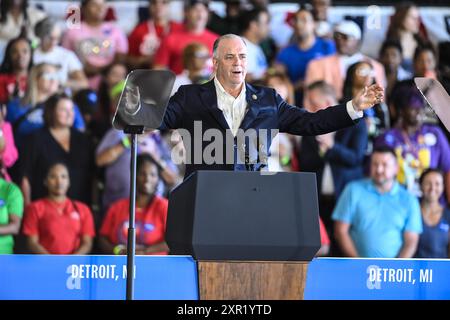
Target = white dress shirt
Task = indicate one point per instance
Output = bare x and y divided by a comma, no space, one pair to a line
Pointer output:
233,108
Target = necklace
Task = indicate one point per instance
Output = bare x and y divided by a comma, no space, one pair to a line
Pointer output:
411,147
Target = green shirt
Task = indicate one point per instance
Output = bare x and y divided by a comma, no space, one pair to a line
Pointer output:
11,202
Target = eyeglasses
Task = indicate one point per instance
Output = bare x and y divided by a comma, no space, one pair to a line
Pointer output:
49,76
365,72
201,55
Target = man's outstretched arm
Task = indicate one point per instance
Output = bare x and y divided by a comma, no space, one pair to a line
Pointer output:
298,121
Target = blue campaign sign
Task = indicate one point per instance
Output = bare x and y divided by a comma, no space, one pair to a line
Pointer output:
378,279
90,277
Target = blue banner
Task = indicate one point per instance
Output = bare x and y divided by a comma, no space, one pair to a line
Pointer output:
378,279
91,277
56,277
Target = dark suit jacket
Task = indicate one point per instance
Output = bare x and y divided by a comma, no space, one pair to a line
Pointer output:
265,110
345,158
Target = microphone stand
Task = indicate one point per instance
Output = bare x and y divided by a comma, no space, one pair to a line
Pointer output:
131,244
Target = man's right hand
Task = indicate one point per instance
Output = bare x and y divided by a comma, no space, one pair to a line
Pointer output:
368,97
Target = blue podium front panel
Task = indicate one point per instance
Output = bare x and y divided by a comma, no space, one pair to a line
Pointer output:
378,279
90,277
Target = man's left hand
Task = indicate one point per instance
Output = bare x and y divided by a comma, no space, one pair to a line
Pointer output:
368,97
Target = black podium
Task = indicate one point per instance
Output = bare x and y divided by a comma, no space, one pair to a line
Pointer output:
252,234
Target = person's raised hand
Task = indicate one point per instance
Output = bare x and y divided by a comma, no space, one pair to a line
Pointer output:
368,97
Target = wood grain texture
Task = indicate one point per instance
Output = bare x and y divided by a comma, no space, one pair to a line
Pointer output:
258,280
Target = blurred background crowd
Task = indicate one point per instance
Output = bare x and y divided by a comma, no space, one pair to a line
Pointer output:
383,184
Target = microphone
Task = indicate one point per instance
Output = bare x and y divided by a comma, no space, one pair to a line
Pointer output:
248,165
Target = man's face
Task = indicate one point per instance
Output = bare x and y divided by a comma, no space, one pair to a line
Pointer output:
391,58
383,168
197,16
345,44
263,25
425,63
320,8
233,9
318,100
159,9
230,64
304,23
51,40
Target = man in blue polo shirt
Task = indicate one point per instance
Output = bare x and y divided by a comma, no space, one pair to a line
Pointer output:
295,58
377,217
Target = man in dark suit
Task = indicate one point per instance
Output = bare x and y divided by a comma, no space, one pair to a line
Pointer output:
230,106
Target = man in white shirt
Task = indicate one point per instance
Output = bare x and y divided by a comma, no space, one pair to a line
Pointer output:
219,105
70,71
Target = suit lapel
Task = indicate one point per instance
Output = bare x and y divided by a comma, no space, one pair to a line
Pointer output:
209,98
253,107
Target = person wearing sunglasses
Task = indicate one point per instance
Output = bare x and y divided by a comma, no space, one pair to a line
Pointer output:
197,64
26,114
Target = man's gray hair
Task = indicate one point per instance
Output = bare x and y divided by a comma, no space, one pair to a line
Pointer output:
226,36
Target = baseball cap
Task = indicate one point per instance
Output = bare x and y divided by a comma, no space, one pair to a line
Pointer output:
349,28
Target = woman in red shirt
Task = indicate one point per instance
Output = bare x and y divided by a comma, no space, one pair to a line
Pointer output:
57,224
15,68
151,215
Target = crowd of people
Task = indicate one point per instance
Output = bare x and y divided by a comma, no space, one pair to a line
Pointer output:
383,184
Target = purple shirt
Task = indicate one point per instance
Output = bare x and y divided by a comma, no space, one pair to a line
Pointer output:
426,148
117,174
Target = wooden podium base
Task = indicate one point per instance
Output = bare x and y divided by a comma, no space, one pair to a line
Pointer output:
258,280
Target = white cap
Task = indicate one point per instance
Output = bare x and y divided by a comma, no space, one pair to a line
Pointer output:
348,28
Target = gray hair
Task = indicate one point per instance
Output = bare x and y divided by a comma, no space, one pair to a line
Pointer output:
44,27
226,36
